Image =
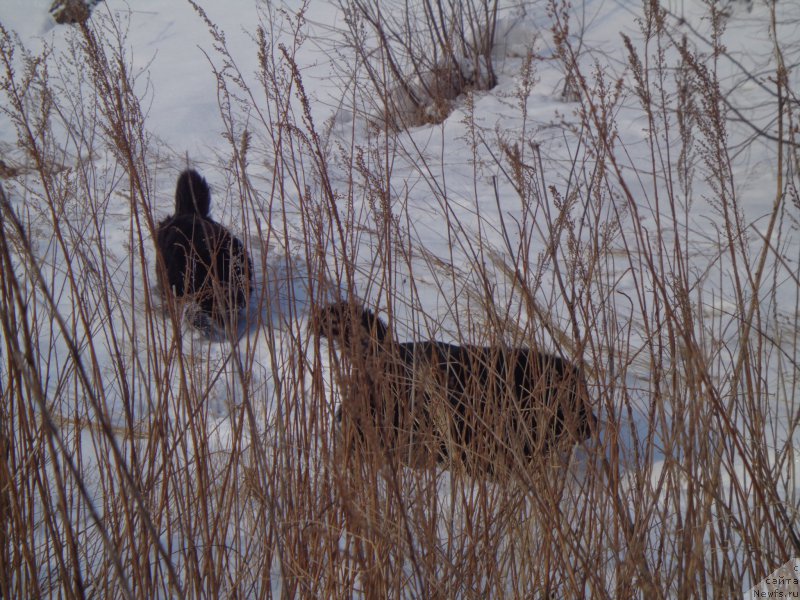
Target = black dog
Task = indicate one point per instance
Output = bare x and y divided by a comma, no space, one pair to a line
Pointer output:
500,402
203,261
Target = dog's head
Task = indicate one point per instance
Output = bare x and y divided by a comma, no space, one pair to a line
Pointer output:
348,322
192,194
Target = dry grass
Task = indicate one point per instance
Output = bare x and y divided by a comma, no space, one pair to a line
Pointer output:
413,69
137,460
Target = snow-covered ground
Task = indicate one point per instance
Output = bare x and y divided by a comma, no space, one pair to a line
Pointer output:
453,199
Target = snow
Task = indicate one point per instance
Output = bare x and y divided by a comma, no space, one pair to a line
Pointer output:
434,173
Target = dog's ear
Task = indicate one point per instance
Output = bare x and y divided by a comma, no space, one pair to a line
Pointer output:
192,194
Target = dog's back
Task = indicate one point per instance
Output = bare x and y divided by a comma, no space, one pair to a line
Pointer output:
535,399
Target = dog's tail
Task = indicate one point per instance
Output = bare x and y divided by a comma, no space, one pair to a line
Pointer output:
192,194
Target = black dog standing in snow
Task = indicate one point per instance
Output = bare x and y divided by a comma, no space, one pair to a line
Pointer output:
203,261
485,406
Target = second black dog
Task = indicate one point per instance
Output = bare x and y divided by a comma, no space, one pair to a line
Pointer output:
500,404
